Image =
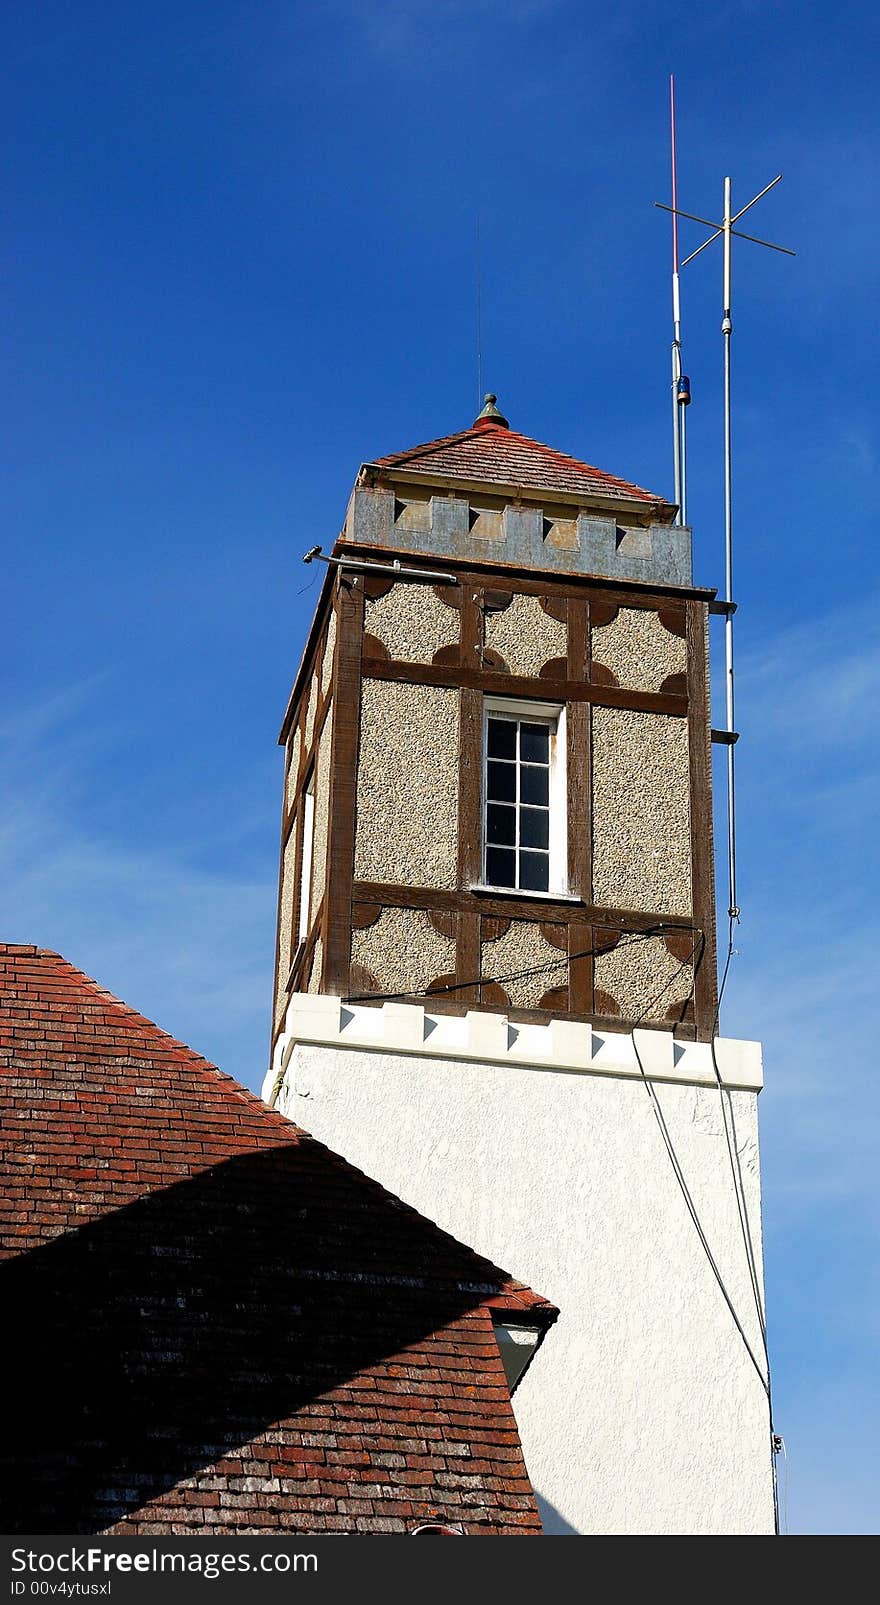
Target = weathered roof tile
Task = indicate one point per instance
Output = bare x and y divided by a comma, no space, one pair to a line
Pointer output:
220,1325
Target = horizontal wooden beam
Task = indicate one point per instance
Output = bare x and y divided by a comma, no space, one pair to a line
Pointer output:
543,909
514,685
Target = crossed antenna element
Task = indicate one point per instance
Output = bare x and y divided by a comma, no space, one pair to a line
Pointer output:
724,230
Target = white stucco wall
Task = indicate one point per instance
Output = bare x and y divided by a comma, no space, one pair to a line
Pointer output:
642,1412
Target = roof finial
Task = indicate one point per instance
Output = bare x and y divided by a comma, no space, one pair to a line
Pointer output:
490,414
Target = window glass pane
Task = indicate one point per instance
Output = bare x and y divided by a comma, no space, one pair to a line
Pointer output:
501,825
534,871
534,827
500,866
534,743
502,738
534,785
501,781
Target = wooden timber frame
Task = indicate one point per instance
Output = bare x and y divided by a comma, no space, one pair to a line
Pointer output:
575,924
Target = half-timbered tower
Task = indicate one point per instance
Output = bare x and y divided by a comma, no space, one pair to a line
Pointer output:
496,923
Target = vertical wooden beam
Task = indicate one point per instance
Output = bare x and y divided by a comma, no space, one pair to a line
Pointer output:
470,793
702,857
343,786
580,807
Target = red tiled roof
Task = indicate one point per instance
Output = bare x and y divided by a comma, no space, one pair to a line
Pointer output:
217,1324
498,455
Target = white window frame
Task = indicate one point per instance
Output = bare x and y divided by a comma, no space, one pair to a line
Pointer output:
553,715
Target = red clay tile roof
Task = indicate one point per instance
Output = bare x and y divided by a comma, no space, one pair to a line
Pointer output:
498,455
217,1324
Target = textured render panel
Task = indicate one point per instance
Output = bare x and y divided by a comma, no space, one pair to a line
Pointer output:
525,635
294,748
315,971
329,650
407,789
643,978
641,811
312,709
403,950
522,947
322,806
285,919
645,1415
639,650
412,622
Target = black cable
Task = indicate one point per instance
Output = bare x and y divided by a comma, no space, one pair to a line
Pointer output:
674,1161
742,1211
627,939
308,585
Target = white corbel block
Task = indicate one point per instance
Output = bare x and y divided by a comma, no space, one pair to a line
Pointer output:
656,1050
403,1025
487,1035
571,1044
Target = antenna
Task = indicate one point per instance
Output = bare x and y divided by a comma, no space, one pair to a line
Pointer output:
479,277
726,230
681,392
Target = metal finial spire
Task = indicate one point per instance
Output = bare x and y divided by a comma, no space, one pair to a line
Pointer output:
490,413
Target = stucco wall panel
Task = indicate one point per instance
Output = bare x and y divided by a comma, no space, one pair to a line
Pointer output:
294,749
407,788
641,1412
641,811
329,650
524,947
314,983
285,920
411,622
525,635
312,709
322,807
403,950
639,650
643,978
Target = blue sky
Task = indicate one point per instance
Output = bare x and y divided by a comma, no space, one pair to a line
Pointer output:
237,259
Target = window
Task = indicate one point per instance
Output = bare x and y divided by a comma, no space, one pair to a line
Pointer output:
524,831
305,874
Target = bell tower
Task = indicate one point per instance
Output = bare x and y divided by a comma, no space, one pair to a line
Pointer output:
496,933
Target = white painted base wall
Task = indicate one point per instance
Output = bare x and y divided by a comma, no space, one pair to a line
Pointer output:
642,1413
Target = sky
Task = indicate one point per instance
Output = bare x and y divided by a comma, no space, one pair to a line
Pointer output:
238,258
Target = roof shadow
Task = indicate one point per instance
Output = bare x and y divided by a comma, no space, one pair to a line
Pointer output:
147,1344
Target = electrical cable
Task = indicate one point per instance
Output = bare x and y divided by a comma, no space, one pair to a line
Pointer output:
308,585
628,938
676,1165
742,1211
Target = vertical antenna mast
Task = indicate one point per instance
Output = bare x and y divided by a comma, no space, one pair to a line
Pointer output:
479,268
680,386
726,230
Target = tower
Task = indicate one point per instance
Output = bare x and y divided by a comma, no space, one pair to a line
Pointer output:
496,981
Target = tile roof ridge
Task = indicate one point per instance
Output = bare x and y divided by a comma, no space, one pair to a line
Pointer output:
397,458
500,1288
503,435
130,1017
